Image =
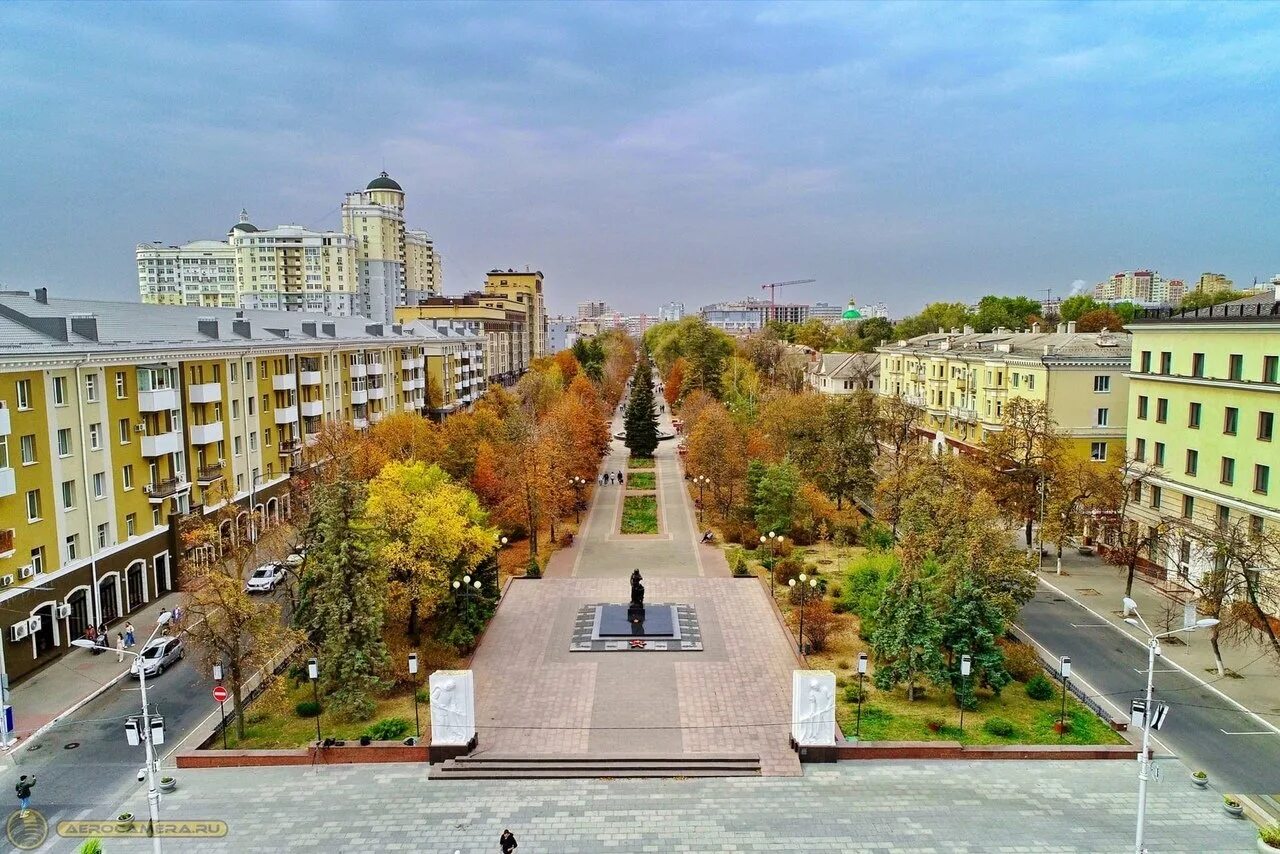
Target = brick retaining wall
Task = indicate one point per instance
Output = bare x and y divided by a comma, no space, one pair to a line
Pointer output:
956,750
378,752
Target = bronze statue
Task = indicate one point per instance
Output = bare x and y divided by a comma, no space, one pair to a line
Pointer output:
637,590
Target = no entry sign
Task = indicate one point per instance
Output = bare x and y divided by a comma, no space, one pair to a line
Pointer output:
220,694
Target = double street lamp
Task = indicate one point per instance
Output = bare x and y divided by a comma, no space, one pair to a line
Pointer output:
772,541
806,585
313,673
577,483
1133,618
701,481
466,589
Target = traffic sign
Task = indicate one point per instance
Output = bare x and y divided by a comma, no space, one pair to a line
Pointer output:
220,694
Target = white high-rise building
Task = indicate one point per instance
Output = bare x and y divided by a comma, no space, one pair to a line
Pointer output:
588,310
200,273
422,267
671,311
291,268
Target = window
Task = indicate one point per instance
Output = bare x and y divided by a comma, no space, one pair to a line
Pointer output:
1255,525
28,445
262,374
1166,362
104,533
266,433
1102,384
1261,479
95,437
1235,366
1228,475
1137,493
1031,381
235,409
1159,460
4,452
1156,493
37,559
233,373
59,391
68,494
124,432
235,444
1193,416
253,441
1197,364
249,404
33,505
155,517
91,388
131,525
1098,452
1188,507
1101,417
1193,461
1224,516
126,477
73,547
1140,450
1270,369
122,387
1015,380
1146,362
99,485
24,394
1266,425
1142,406
1230,420
1162,409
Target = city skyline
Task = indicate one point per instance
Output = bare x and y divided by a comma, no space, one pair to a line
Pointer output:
889,158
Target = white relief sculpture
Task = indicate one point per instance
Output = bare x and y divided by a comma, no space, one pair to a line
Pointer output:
813,707
452,707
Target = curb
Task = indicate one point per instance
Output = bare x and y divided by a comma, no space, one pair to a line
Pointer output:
77,706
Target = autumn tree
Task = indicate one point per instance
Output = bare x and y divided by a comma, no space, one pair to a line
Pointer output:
717,449
1075,485
1112,514
406,436
674,383
1098,320
842,461
1024,450
531,491
774,496
907,642
898,445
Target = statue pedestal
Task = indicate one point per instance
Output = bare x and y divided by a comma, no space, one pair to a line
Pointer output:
642,621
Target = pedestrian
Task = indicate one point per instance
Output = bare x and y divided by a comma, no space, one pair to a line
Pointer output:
128,635
23,788
508,842
91,633
619,478
177,616
119,647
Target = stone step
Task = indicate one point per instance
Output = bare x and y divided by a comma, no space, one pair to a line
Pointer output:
607,757
562,766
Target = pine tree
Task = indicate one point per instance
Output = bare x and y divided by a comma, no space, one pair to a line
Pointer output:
342,596
908,638
641,419
970,627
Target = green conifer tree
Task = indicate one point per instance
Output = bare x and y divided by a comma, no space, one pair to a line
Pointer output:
908,638
971,626
641,418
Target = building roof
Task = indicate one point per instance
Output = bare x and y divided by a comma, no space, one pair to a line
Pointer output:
244,224
1046,346
846,365
1263,307
384,182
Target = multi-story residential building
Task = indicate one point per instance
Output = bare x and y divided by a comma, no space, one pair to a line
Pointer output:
962,380
503,327
790,312
590,309
423,273
375,218
737,316
291,268
826,312
562,332
1204,402
671,311
843,373
116,419
1140,286
1212,283
522,292
456,375
198,273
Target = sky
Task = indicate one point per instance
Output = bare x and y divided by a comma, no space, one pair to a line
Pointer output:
644,152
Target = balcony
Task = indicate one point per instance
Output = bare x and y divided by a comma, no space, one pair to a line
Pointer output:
290,446
205,434
205,393
359,395
311,408
375,368
357,371
7,547
284,382
411,364
913,399
206,475
376,392
5,426
161,444
287,415
310,378
162,489
360,423
8,483
411,383
375,417
158,400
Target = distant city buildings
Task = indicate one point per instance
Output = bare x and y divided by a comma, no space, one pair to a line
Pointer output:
826,311
1212,283
588,310
1146,287
562,332
671,311
737,316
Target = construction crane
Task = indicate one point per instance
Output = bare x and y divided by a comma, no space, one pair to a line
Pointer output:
773,287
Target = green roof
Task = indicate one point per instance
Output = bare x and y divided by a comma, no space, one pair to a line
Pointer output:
384,182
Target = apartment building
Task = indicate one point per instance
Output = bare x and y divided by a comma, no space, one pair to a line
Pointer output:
738,316
423,273
1212,283
671,311
201,273
511,290
503,329
962,380
118,419
1204,398
593,308
291,268
1141,286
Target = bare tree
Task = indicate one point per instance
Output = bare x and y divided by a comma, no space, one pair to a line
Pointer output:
1025,448
1122,541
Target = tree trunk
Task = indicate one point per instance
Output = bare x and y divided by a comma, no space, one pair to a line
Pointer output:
1217,652
1128,584
411,629
1030,522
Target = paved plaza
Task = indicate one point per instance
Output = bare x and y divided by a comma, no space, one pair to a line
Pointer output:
904,806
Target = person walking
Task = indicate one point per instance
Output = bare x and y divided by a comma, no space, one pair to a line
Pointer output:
129,640
507,842
23,788
119,647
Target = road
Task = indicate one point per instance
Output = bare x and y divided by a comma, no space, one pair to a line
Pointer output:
1203,729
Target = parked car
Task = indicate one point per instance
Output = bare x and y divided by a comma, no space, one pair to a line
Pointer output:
264,578
158,655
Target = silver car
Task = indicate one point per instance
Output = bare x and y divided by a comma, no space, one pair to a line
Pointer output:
158,655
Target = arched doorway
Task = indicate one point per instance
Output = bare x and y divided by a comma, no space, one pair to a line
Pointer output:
134,586
80,618
164,581
273,512
109,598
45,639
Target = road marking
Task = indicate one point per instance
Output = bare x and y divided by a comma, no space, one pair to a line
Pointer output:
1089,625
1255,732
1142,672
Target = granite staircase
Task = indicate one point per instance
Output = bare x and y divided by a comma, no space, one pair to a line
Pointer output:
551,766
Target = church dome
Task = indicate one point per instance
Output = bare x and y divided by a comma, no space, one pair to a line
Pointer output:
851,313
244,224
384,182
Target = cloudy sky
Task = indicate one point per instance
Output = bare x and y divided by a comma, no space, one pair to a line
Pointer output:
641,152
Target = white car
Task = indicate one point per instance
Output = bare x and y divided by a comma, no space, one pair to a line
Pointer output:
157,655
264,578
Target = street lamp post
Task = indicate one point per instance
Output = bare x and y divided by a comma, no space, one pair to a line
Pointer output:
153,795
770,540
313,673
701,480
966,667
413,671
1040,530
1133,618
465,589
806,584
577,483
862,673
1064,667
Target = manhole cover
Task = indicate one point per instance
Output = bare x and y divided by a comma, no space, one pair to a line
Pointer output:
1087,591
71,745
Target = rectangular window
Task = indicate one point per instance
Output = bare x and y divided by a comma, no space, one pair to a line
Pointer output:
1197,364
1146,362
1162,409
64,442
1224,516
1140,450
235,409
1193,461
104,532
24,394
37,559
122,387
33,505
68,494
95,437
1193,416
1156,494
1166,362
1255,525
91,388
232,373
1102,384
1159,460
125,437
249,404
1261,479
1266,425
253,441
1230,420
1142,406
59,391
126,477
1137,493
1228,471
1235,366
1031,381
73,547
235,444
1101,417
1015,380
266,433
1188,507
99,485
1098,452
131,525
1270,369
28,445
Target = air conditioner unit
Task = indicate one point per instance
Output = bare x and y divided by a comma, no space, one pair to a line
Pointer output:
64,611
6,580
18,631
26,571
139,428
34,624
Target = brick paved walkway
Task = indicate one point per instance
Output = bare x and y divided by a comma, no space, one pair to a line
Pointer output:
534,696
961,807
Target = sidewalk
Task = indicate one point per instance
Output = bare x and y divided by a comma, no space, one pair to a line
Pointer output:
78,676
1099,587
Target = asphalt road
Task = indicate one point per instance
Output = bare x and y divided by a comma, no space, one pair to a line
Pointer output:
1202,729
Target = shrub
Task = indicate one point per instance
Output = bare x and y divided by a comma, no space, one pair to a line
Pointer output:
423,695
389,729
843,664
833,591
819,620
533,569
1000,727
934,725
90,846
1039,688
865,585
786,568
1270,835
307,709
876,536
853,695
1020,660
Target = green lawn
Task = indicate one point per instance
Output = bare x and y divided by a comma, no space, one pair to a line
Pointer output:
640,462
265,730
640,514
642,480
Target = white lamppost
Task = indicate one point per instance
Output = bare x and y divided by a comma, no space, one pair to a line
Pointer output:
966,667
804,593
153,796
413,671
770,540
1133,618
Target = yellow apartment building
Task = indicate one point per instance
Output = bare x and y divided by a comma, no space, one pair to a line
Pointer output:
522,292
502,327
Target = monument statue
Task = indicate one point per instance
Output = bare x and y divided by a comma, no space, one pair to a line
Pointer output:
637,590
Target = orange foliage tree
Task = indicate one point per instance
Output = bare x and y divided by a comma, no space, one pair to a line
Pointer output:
675,380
